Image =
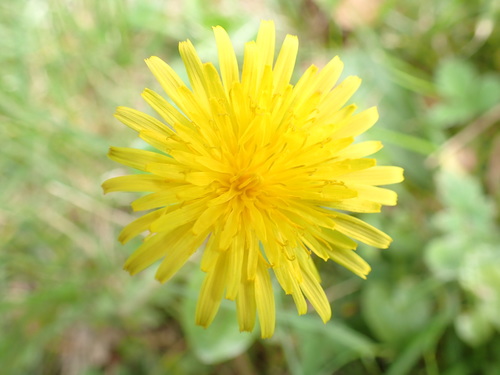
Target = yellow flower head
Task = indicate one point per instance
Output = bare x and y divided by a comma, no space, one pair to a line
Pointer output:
258,169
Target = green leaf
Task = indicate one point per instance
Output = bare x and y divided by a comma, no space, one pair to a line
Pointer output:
464,92
455,79
448,114
466,204
473,327
480,275
395,312
444,256
424,340
322,348
489,91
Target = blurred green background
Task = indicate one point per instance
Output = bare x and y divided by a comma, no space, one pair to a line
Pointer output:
432,302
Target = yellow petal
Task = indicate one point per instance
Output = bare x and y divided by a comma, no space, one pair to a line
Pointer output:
138,226
329,193
195,71
139,182
304,84
199,178
266,39
358,124
195,106
339,95
211,293
316,295
153,248
166,110
249,72
215,89
289,276
306,264
234,267
359,230
283,69
172,173
264,300
305,110
178,253
281,110
245,303
227,58
254,256
376,194
155,200
223,198
160,141
328,76
140,121
375,176
192,140
331,171
360,150
138,159
314,245
211,253
265,92
231,228
300,301
257,222
350,260
339,118
355,205
283,276
167,77
314,216
178,216
208,218
335,238
224,127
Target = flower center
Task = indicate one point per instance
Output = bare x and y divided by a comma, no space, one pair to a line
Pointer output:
245,184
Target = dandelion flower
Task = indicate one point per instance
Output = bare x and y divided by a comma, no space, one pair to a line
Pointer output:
259,170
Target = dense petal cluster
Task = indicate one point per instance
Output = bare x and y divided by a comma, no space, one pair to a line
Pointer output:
259,170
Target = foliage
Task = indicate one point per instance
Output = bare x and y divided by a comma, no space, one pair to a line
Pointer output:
431,303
